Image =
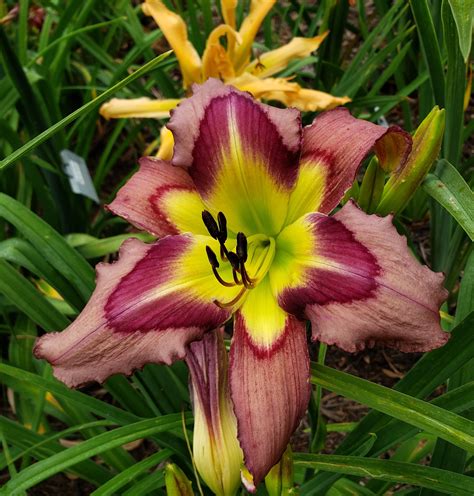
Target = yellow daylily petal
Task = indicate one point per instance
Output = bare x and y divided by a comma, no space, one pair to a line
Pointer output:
287,92
216,60
250,26
275,61
118,108
175,31
263,88
308,100
264,319
228,11
165,152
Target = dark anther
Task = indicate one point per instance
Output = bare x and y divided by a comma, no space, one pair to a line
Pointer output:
241,247
234,260
211,224
222,227
212,257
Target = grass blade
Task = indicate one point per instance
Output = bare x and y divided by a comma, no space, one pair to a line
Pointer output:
442,423
103,442
48,133
430,47
450,190
404,473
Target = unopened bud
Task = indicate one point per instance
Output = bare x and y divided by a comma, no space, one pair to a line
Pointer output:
279,481
216,450
177,484
405,180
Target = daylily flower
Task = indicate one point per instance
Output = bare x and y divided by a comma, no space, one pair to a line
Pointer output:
231,64
242,212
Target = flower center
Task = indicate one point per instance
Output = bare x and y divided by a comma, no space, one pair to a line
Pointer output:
250,261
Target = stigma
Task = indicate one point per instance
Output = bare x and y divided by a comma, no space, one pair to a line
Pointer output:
250,261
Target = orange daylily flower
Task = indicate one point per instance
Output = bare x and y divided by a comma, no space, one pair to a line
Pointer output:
230,63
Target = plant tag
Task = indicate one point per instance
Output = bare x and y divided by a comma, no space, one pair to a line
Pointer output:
381,121
77,172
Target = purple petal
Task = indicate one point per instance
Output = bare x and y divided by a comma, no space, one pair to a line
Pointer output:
160,199
334,146
146,307
270,390
363,286
242,155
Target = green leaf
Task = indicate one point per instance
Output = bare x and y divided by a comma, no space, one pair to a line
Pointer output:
347,487
442,423
19,436
450,190
90,247
91,447
430,47
458,400
465,303
446,455
20,252
129,475
45,135
404,473
50,244
28,381
27,299
463,13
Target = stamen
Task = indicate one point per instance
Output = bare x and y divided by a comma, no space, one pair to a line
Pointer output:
236,277
211,224
219,278
222,227
224,253
242,247
212,257
246,280
231,303
214,264
233,260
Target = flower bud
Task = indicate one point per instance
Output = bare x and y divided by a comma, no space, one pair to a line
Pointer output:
216,450
177,484
279,481
405,180
371,187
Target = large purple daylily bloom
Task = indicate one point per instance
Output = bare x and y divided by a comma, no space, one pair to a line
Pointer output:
267,253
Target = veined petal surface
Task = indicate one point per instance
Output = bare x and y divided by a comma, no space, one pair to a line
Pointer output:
334,146
270,391
165,152
119,108
216,450
228,11
175,31
248,30
216,60
308,100
161,199
146,308
274,61
242,155
353,276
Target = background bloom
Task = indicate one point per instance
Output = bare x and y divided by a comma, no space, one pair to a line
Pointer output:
231,63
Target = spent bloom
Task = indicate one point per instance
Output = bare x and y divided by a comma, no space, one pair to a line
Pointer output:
230,61
243,215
